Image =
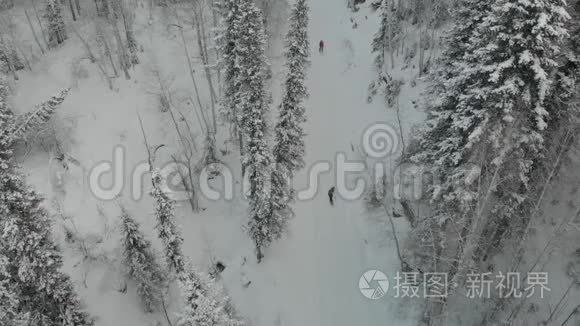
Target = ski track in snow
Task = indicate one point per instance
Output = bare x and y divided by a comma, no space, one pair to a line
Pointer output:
325,254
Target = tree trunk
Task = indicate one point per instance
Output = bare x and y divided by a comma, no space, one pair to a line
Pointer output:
217,54
91,55
190,66
421,51
40,24
78,5
72,10
130,36
26,61
33,31
123,57
108,52
8,56
205,60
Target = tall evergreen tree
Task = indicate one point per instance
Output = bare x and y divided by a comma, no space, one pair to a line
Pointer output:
384,42
227,40
5,113
140,264
440,142
9,311
440,13
166,228
252,106
490,106
32,262
55,22
289,148
497,76
205,303
387,36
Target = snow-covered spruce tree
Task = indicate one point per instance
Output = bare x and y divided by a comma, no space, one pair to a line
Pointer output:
22,125
519,62
440,142
385,41
10,61
440,13
140,264
289,148
5,113
55,22
493,113
205,303
226,40
167,230
9,314
387,36
252,107
32,262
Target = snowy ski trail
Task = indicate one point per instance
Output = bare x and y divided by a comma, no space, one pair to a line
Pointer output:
332,238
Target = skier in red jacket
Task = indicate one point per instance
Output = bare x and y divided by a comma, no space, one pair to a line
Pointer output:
321,47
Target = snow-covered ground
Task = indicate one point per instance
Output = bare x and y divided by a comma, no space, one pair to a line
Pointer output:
311,276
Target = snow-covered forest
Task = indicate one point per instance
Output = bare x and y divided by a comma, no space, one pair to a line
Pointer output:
289,162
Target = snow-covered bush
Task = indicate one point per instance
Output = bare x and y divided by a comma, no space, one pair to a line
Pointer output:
375,193
388,87
205,303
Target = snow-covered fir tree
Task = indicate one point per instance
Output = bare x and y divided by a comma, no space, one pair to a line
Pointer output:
440,13
55,22
140,263
252,107
31,260
517,64
226,40
22,125
205,303
167,230
492,111
566,92
440,142
9,311
9,58
289,147
385,41
386,38
5,113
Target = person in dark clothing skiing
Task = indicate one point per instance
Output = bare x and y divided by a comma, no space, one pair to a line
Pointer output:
321,47
331,196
